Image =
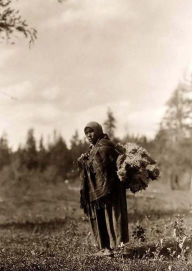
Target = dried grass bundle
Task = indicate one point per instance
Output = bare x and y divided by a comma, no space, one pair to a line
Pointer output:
135,167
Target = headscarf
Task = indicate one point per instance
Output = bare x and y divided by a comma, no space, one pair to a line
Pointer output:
97,128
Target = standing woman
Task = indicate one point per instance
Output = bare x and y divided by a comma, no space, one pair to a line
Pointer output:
103,196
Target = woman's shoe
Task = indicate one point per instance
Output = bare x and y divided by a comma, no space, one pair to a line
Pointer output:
99,253
104,252
107,252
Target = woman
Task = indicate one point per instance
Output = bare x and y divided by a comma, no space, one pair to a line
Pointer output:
103,196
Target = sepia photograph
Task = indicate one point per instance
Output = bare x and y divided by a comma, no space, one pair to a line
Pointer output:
96,135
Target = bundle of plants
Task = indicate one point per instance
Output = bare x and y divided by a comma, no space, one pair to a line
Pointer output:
135,167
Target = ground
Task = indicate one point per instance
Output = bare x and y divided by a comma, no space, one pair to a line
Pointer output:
48,231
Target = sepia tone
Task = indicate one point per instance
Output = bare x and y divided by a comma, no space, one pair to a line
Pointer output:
126,67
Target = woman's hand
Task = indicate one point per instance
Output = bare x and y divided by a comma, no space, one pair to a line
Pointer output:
82,158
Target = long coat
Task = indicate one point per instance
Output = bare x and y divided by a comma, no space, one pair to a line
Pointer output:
103,196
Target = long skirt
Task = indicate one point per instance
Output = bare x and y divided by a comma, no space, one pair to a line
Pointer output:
109,222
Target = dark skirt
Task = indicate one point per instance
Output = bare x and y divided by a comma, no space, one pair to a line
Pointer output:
109,220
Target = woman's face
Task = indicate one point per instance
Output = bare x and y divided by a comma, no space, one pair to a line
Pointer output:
91,135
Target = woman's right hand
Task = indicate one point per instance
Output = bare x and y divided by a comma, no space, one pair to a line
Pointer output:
82,158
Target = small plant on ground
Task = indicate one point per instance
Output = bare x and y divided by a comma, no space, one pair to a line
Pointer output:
179,248
139,234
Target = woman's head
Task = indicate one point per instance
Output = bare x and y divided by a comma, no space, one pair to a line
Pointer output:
93,131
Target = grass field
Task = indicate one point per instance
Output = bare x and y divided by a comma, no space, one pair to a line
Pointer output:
46,230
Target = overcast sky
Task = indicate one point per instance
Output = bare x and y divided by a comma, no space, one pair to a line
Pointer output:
128,55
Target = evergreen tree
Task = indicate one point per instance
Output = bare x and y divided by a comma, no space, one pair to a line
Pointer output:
42,155
77,146
30,151
60,157
5,152
110,124
76,149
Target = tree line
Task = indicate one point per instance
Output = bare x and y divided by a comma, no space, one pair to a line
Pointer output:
55,162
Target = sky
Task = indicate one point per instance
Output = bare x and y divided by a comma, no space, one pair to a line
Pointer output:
91,55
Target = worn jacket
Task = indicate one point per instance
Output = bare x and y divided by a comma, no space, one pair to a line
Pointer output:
99,177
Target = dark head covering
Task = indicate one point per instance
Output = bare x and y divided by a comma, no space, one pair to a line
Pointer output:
97,128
